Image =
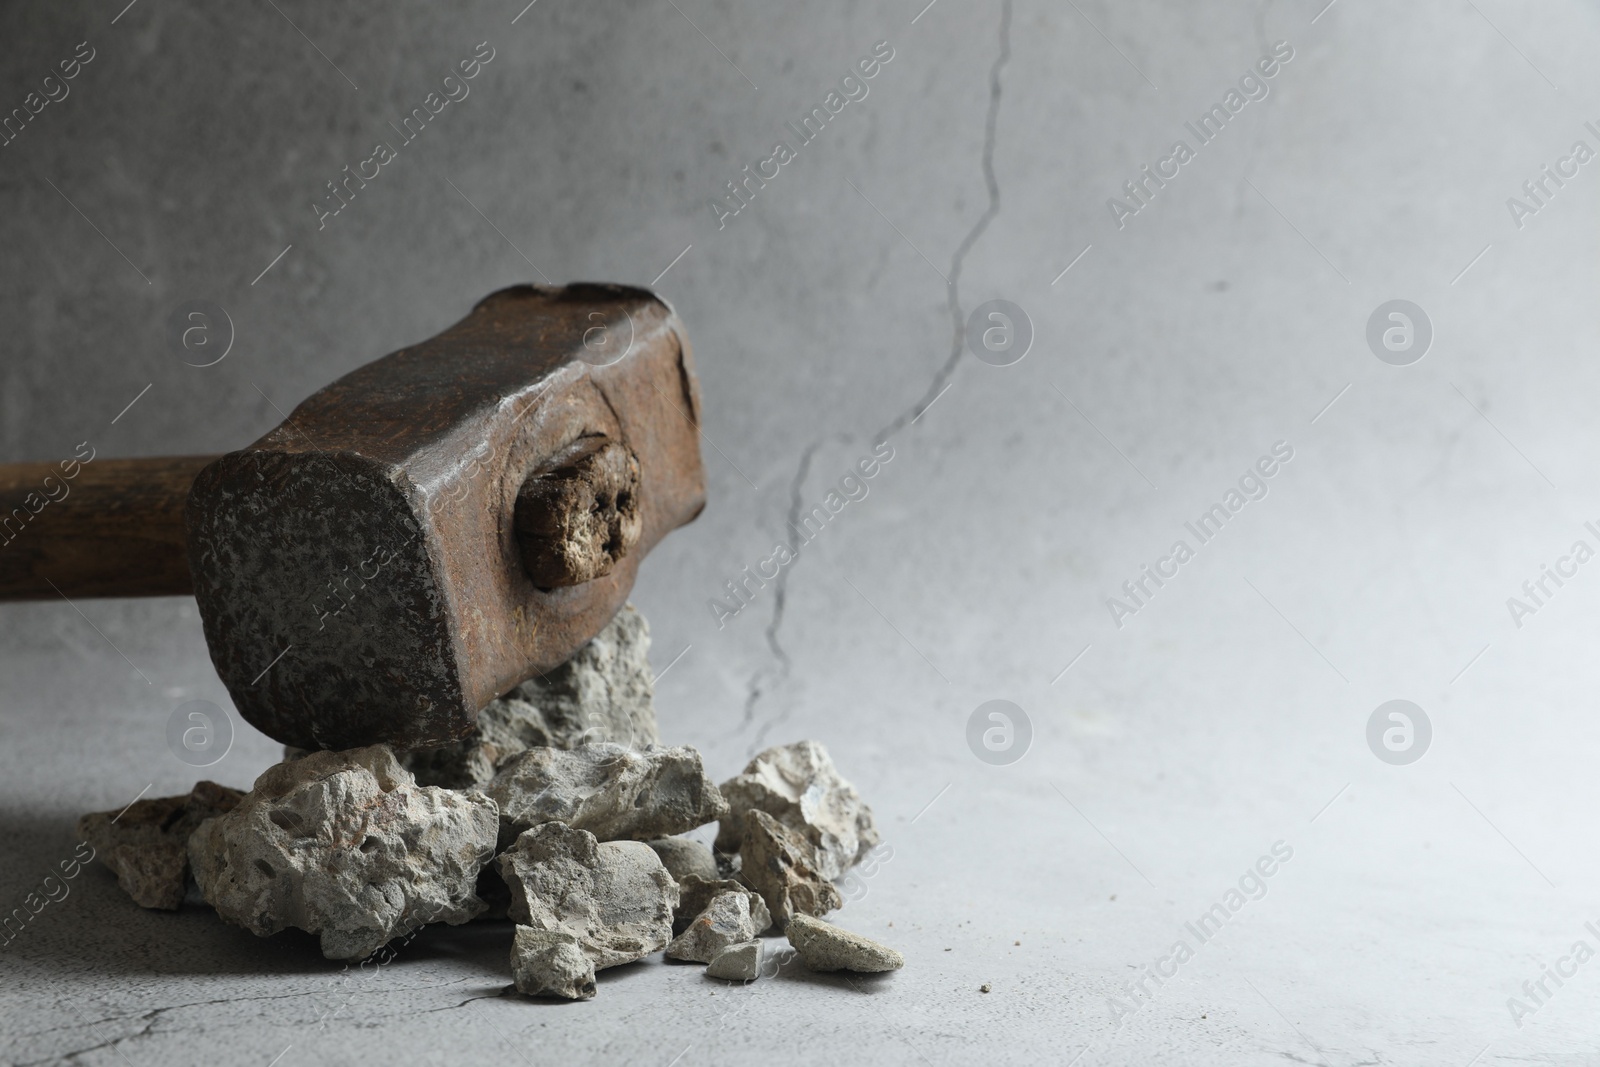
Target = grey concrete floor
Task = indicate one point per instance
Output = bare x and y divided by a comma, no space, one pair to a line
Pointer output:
1174,742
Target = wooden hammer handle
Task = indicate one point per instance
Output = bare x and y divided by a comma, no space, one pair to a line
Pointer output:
101,528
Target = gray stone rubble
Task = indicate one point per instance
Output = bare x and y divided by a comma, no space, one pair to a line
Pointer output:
614,897
683,856
611,791
798,785
724,922
565,779
737,963
695,894
776,863
147,844
551,963
345,845
825,947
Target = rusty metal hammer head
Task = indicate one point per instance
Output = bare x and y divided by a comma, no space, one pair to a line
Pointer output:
443,523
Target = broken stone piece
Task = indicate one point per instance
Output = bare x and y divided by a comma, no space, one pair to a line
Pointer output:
147,845
345,845
695,894
776,862
606,789
683,856
614,897
551,963
737,963
824,947
725,921
798,785
603,693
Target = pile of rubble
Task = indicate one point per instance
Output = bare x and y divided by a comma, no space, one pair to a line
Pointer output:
562,813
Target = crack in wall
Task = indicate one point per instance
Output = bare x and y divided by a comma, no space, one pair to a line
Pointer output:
779,672
958,260
767,678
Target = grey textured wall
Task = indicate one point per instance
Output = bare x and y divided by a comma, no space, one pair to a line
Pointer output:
1214,716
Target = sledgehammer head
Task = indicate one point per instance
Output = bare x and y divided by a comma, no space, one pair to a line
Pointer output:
441,524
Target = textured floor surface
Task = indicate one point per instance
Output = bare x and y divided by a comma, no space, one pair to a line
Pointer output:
1174,736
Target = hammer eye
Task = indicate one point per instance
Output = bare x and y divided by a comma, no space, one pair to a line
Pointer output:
574,523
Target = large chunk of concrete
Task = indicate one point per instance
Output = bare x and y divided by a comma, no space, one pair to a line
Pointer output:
798,785
614,897
345,845
824,947
606,789
603,693
146,845
775,861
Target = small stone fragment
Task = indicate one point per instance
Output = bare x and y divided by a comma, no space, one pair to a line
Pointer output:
348,846
603,693
683,856
798,785
610,791
614,897
984,988
737,963
147,845
724,922
776,862
551,963
695,894
825,947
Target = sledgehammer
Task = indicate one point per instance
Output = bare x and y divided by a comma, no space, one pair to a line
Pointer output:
417,537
